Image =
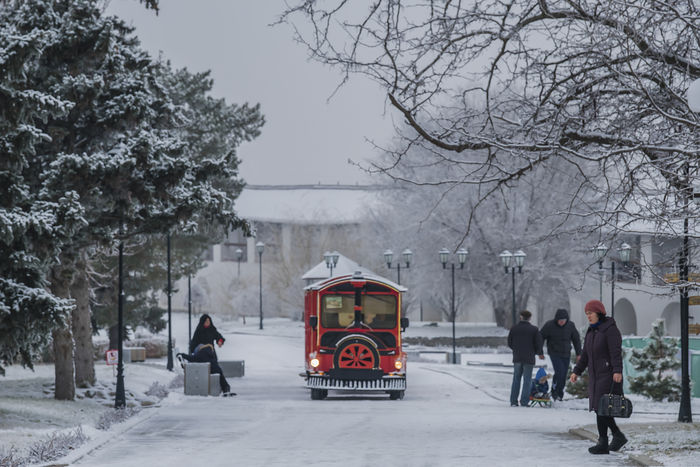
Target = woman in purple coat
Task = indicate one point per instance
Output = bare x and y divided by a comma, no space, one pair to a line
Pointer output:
602,355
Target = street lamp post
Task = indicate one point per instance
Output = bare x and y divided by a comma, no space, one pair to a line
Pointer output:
685,413
189,311
461,258
624,253
510,262
239,257
170,322
406,255
120,396
331,260
260,247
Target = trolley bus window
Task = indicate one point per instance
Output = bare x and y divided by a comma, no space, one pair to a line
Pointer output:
379,311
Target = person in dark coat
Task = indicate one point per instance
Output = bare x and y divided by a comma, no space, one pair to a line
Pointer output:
202,350
206,333
559,333
526,342
602,355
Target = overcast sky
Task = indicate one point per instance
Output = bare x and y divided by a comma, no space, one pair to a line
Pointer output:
307,139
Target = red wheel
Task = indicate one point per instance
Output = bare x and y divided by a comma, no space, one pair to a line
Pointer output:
356,356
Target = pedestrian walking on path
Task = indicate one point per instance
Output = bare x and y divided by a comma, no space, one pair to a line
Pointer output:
526,342
559,333
602,355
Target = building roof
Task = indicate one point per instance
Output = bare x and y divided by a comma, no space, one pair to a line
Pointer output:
308,204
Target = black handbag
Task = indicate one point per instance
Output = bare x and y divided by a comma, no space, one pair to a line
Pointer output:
614,405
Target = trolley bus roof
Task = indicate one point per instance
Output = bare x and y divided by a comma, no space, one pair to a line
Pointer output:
322,284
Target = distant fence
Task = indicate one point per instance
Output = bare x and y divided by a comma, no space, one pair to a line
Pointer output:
465,341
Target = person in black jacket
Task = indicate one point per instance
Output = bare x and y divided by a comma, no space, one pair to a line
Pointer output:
202,350
206,333
560,333
526,342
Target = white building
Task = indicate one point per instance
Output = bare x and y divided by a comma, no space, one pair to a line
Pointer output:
297,224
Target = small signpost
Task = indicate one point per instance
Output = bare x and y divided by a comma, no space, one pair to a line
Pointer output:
112,357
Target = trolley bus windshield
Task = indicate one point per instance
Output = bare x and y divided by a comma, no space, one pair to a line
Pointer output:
378,311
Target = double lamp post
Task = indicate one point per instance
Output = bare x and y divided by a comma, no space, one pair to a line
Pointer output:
389,256
510,261
624,253
461,259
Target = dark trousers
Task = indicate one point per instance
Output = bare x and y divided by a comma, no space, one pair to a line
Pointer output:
561,368
603,424
207,355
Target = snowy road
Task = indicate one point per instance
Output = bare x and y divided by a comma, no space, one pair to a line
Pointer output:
451,416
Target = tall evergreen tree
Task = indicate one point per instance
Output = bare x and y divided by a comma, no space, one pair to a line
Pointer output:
32,229
120,150
654,362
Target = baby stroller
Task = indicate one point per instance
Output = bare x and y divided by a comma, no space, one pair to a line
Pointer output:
539,392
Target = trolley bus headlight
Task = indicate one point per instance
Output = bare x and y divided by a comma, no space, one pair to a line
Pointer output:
314,362
398,364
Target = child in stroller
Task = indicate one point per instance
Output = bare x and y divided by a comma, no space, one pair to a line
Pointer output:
539,392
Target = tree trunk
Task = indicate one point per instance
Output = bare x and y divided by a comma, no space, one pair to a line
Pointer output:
501,316
63,353
63,340
82,329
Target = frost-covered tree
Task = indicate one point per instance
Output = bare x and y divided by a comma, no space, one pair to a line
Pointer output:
654,363
32,229
123,150
427,217
496,90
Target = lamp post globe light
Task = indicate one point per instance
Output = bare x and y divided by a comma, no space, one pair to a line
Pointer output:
685,412
239,257
331,260
407,255
444,255
600,251
510,261
260,247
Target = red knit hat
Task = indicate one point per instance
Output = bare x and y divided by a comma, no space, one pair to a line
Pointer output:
595,306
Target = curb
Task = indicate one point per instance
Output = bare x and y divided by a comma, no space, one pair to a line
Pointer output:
639,459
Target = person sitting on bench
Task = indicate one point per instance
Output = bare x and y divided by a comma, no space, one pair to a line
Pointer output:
204,353
202,350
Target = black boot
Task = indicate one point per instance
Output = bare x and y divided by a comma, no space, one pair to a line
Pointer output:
618,440
601,447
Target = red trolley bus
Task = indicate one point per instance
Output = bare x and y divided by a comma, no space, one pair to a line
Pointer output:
353,336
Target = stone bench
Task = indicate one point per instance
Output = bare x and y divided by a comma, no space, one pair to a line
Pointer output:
233,368
200,381
197,379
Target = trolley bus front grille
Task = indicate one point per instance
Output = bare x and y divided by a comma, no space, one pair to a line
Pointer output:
385,384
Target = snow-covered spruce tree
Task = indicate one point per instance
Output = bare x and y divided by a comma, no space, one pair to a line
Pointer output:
213,131
32,229
654,362
120,149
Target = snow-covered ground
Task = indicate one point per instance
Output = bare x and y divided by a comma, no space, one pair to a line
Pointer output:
451,415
